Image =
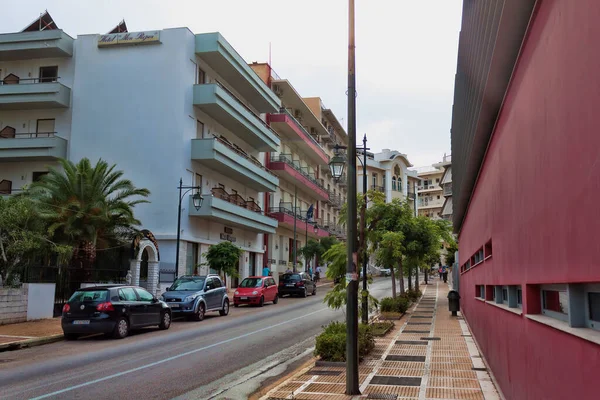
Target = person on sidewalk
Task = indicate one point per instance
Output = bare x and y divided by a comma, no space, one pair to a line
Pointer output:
310,272
266,271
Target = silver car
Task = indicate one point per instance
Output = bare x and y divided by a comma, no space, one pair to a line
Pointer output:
195,295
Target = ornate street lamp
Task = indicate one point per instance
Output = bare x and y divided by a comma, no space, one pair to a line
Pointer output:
197,200
337,165
316,228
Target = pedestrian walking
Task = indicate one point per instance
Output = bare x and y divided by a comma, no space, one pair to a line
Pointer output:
318,274
266,271
310,272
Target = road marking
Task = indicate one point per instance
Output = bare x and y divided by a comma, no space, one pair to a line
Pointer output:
119,374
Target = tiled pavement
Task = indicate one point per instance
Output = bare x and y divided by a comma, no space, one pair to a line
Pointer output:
428,355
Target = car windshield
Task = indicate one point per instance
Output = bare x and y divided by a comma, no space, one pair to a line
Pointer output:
89,295
251,282
291,278
188,283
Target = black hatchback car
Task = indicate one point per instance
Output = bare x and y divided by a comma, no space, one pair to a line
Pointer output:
296,283
113,310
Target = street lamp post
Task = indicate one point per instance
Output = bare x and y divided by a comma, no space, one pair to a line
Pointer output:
365,300
197,200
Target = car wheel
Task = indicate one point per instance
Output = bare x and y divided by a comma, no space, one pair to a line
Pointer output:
276,299
121,328
262,301
304,294
71,336
223,312
165,321
199,315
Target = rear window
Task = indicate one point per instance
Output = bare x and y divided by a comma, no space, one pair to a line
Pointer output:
89,295
291,278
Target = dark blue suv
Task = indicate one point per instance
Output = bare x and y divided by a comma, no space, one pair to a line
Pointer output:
195,295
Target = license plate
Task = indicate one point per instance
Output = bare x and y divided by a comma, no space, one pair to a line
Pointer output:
81,322
173,305
290,285
243,298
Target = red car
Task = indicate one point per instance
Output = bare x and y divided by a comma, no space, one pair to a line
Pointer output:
256,290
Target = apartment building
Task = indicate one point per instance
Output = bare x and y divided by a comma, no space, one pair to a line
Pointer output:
162,105
526,179
446,185
307,202
430,193
388,173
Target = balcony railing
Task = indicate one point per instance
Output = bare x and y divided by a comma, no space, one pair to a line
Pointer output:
236,199
335,199
242,153
241,103
27,135
303,129
288,209
15,80
378,188
287,158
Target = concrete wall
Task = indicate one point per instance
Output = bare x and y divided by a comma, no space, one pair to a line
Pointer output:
30,302
536,198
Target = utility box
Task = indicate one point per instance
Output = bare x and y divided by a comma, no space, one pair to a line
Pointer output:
453,302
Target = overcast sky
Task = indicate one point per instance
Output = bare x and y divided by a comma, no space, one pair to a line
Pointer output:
405,56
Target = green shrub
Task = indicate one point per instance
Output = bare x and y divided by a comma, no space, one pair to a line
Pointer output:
414,294
381,328
331,344
400,304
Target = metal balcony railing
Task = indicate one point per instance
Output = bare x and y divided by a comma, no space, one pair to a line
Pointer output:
28,135
241,152
235,198
15,80
378,188
287,158
304,131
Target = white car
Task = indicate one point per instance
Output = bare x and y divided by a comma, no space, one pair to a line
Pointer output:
385,272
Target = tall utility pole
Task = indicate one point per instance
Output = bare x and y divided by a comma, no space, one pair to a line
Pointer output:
363,227
352,385
295,218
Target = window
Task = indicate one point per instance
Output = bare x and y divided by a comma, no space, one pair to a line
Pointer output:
480,291
437,180
201,76
199,130
592,305
144,295
555,301
519,297
393,183
37,175
191,258
217,283
488,249
127,294
438,197
505,294
49,74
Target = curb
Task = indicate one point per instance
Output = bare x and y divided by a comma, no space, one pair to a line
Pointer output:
31,343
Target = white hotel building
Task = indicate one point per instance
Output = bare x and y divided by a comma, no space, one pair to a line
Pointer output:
178,105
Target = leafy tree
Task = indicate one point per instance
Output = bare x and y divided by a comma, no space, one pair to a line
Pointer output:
450,250
389,254
86,206
224,257
24,239
312,249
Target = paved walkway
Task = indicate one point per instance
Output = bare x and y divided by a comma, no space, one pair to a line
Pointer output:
428,355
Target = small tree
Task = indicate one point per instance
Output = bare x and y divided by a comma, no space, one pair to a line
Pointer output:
224,258
389,254
312,249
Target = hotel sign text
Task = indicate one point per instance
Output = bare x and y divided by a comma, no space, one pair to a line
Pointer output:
129,38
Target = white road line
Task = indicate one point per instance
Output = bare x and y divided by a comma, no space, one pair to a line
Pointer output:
119,374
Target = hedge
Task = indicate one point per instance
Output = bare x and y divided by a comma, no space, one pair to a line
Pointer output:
331,343
400,304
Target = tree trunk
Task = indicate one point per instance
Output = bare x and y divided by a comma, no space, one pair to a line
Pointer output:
426,281
417,278
409,277
401,277
393,282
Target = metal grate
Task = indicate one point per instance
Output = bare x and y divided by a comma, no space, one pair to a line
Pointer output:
396,380
405,358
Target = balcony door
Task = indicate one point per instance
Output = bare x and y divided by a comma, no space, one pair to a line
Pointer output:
48,74
44,127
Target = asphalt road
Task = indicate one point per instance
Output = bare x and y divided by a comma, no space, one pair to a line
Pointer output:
153,364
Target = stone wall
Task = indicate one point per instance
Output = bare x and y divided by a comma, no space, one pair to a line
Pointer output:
13,305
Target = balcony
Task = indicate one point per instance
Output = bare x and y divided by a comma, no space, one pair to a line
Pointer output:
290,171
378,188
213,49
223,106
52,43
32,147
411,195
233,210
335,200
232,161
285,217
288,127
447,189
31,94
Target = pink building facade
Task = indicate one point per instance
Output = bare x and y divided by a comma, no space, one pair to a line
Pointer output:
526,166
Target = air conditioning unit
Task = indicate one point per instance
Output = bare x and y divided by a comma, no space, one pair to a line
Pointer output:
277,90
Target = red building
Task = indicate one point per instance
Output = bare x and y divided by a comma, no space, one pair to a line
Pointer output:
526,182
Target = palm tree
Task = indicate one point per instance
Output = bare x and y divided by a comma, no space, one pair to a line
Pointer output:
87,206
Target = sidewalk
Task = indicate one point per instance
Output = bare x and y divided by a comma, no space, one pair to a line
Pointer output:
32,333
428,355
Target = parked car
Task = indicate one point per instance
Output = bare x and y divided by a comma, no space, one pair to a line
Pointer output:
296,283
256,290
385,272
112,310
194,295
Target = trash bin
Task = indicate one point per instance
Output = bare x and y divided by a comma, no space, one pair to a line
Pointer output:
453,302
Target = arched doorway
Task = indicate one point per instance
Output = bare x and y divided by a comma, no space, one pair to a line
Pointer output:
144,265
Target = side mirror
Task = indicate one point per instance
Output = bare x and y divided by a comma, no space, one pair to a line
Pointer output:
154,300
168,289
